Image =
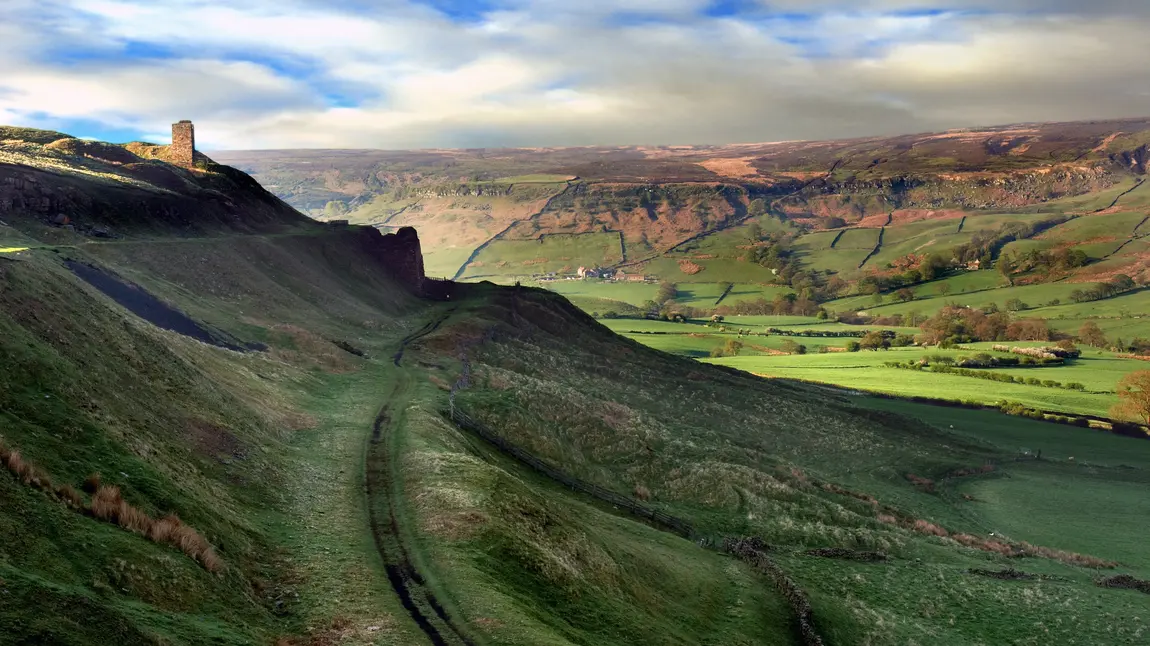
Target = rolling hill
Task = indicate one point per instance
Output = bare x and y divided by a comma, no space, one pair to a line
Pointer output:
222,422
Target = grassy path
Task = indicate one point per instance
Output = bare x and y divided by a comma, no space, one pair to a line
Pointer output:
342,585
384,499
344,579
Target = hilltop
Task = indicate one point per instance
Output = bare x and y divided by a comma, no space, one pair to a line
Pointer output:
237,426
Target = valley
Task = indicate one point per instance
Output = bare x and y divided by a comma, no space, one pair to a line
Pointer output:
1046,223
377,456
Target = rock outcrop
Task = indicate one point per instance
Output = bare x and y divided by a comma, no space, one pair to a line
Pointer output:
400,253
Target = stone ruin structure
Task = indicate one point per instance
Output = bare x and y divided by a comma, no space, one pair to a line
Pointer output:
183,151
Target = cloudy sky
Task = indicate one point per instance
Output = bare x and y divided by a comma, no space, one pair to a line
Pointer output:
469,73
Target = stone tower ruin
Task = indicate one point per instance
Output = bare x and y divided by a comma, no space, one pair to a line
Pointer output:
184,144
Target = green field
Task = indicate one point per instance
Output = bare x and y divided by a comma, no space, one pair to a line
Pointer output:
713,270
561,253
1099,372
929,299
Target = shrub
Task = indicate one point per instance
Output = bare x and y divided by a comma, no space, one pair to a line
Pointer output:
70,496
791,347
925,527
925,484
642,493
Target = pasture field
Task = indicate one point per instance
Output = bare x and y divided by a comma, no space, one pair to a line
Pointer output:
844,262
1128,305
550,253
1035,296
1113,328
626,292
850,370
704,295
925,236
713,270
1095,201
1051,501
734,241
443,262
1097,236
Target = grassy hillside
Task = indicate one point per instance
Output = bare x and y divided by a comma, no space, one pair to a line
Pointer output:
356,455
735,454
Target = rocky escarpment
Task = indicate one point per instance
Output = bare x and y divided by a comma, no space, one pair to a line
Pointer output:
1136,161
400,253
857,197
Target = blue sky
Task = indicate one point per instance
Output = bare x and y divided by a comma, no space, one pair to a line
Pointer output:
442,73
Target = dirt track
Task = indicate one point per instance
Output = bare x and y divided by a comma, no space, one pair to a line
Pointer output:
409,585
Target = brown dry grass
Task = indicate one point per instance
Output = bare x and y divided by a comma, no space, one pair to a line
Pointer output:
738,167
642,493
926,484
689,268
108,504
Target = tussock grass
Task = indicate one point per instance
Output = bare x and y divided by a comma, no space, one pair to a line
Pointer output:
108,505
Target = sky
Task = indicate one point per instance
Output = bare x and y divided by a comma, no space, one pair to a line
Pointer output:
501,73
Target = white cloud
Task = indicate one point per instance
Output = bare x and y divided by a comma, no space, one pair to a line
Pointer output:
294,73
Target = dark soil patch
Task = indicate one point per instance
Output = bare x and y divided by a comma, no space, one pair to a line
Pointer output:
848,555
1007,574
216,441
349,348
1126,582
153,310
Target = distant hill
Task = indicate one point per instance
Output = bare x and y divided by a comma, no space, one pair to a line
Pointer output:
478,210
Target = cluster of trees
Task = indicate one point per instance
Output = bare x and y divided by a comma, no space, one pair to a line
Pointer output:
931,266
1134,397
828,334
792,347
954,324
783,304
986,360
985,245
1047,262
1092,335
730,349
1113,287
1138,346
880,340
779,256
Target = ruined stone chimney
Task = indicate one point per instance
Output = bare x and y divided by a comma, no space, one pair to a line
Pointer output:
184,144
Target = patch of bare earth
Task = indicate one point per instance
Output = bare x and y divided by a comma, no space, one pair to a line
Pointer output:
738,168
